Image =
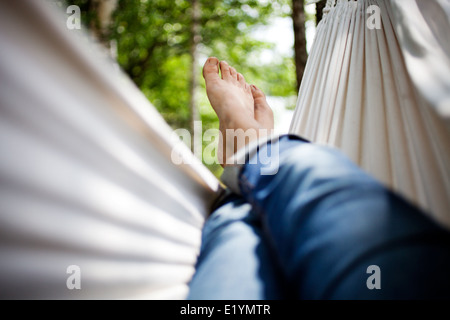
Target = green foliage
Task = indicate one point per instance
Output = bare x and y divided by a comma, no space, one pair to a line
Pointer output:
153,40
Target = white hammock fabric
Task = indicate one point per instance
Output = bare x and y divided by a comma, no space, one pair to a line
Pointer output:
422,28
86,176
382,96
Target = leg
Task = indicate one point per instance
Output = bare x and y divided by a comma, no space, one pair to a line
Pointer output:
235,260
329,222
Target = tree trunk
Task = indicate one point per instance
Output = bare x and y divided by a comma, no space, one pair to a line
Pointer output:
194,81
101,25
319,11
299,19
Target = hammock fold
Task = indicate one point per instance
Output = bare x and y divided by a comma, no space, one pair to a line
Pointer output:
364,93
86,177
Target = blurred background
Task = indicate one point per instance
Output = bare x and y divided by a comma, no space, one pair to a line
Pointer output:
163,44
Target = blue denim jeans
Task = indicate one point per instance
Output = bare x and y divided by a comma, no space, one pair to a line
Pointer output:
320,228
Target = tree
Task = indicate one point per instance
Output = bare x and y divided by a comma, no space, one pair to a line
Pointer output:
101,23
161,43
194,80
319,10
301,56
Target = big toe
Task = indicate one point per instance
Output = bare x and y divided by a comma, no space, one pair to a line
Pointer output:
211,69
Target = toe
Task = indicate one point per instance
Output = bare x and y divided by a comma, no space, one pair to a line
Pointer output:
233,73
225,70
241,80
211,69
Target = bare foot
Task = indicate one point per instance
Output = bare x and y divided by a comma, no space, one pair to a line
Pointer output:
242,109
